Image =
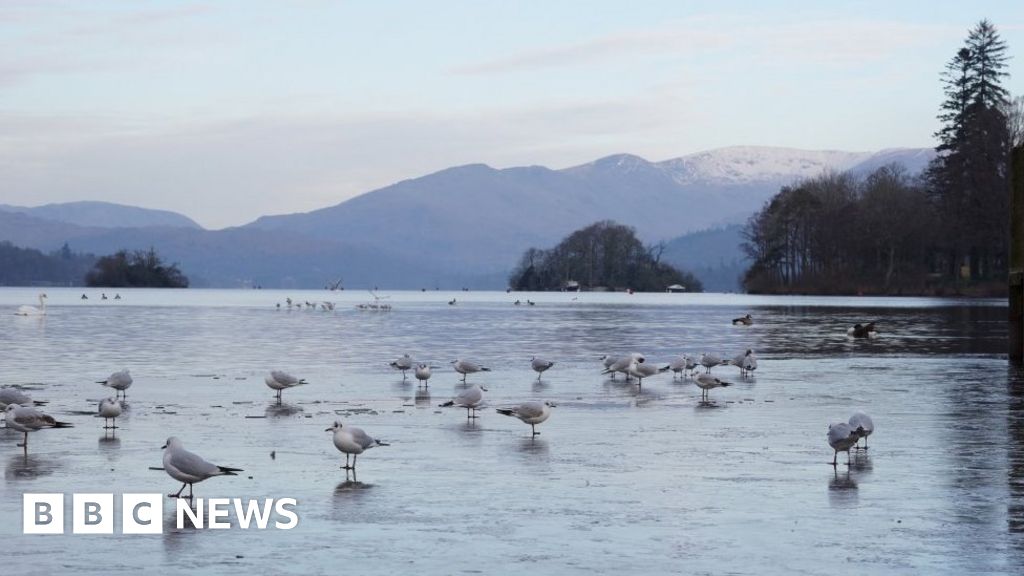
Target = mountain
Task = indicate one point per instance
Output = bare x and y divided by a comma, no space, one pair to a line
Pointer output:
465,226
480,219
713,255
105,215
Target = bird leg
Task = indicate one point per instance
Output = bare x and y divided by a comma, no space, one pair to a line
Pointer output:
834,456
178,494
190,491
25,443
354,458
346,466
533,428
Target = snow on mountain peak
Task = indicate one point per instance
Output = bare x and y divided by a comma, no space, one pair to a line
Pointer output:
746,164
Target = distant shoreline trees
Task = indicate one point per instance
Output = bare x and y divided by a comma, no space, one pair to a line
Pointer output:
28,266
947,232
138,269
604,255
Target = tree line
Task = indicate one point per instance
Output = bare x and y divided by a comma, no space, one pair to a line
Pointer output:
64,267
946,231
604,255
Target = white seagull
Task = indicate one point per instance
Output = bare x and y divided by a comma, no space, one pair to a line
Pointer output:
863,426
470,399
706,382
681,365
109,409
32,310
709,361
540,365
352,441
119,381
27,419
188,468
422,373
841,437
746,362
465,367
403,363
623,363
15,396
641,371
280,381
532,413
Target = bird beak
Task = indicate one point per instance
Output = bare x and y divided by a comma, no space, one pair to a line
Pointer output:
484,389
328,429
164,446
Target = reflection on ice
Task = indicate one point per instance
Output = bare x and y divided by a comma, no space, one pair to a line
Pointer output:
24,467
281,409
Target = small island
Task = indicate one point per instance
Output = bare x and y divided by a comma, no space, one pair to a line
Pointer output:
138,269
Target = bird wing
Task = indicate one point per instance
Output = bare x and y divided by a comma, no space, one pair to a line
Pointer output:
529,410
192,464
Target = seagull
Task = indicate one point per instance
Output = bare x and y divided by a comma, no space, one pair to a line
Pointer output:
466,367
403,363
280,381
32,310
744,321
641,371
188,468
709,361
26,419
623,363
706,382
532,413
539,365
352,441
608,360
865,331
109,409
119,381
863,426
681,365
841,437
746,362
422,373
15,396
470,399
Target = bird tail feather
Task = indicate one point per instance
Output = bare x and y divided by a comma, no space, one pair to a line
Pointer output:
505,411
448,403
229,471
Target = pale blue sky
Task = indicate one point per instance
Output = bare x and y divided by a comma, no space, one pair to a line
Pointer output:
229,110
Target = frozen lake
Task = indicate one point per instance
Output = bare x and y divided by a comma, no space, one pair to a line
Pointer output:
621,480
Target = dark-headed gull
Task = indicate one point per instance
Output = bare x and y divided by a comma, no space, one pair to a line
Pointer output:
531,412
403,363
188,468
709,361
280,381
640,371
746,362
352,441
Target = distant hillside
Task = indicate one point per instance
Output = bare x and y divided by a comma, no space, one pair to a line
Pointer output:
29,267
104,215
467,226
713,255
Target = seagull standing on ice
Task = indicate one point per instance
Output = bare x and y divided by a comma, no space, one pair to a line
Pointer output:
27,419
641,371
188,468
470,399
352,441
863,426
841,437
532,413
119,381
422,373
709,361
403,363
465,367
746,362
706,382
540,365
109,409
281,381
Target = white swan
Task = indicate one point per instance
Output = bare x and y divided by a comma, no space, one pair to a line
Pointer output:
32,310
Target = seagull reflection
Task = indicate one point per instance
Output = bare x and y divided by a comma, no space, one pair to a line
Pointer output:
860,461
282,410
540,386
29,467
842,489
534,446
422,397
351,485
109,442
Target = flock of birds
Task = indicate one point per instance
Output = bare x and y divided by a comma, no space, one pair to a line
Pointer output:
22,415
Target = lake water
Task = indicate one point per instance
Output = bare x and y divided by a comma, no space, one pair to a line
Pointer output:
621,481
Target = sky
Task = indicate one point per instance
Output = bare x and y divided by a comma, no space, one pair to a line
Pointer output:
226,111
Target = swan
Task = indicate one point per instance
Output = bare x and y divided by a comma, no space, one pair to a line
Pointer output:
32,310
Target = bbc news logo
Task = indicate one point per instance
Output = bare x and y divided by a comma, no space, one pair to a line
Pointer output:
143,513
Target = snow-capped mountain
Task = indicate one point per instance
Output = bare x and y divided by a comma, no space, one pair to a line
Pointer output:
468,225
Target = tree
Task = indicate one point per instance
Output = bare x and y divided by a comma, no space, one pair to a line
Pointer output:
139,269
969,180
602,255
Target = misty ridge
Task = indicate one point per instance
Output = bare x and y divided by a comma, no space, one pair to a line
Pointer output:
465,226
